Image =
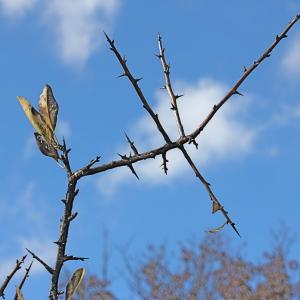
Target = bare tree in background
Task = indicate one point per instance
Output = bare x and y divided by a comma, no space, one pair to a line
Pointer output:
212,270
44,121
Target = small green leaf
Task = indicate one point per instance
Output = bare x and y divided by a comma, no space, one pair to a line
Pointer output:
215,230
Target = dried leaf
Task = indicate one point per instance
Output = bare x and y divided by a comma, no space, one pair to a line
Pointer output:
19,294
215,207
74,282
215,230
38,122
46,148
48,107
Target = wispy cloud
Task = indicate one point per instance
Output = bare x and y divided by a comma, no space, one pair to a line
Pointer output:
291,61
17,8
27,206
26,211
77,26
226,137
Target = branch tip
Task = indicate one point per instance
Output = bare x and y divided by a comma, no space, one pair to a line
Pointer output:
238,93
44,264
133,171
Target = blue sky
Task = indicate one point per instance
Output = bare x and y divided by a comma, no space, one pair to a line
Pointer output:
249,152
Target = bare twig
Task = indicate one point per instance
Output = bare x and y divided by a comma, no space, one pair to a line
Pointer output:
43,263
166,69
164,163
131,144
71,257
11,275
125,157
215,202
26,275
79,173
138,90
68,217
191,137
247,72
65,157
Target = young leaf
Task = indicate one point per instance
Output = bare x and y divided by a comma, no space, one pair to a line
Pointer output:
19,294
74,282
46,148
215,230
48,107
38,121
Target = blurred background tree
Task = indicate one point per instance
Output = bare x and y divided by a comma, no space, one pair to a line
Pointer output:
210,269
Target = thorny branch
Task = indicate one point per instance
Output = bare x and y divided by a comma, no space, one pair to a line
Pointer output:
168,86
67,218
247,72
11,275
128,161
192,136
44,264
137,88
26,275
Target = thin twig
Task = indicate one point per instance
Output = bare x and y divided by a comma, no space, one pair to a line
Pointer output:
43,263
138,90
11,275
131,144
130,166
164,163
166,70
26,275
71,257
212,196
78,173
68,217
65,157
247,72
191,137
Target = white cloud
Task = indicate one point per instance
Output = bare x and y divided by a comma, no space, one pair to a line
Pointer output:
226,137
78,26
291,61
17,7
